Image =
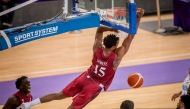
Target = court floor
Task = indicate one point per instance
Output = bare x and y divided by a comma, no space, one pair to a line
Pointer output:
69,53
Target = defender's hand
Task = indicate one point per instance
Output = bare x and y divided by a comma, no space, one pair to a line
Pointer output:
175,96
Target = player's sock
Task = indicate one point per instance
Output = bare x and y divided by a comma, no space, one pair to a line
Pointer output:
35,102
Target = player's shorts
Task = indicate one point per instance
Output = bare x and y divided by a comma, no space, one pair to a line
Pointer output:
85,90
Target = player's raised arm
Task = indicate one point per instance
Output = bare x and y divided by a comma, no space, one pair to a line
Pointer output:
122,50
99,36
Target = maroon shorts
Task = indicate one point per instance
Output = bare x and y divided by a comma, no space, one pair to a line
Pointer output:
85,90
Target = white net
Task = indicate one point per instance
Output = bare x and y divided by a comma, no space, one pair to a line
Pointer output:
119,18
121,34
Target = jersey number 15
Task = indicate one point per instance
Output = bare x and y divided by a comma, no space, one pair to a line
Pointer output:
100,71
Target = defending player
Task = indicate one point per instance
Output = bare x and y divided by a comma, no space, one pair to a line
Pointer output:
22,96
185,87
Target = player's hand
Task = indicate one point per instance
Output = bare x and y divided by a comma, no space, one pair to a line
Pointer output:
140,12
175,96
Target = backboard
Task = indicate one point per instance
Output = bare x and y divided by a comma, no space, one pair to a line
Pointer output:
116,12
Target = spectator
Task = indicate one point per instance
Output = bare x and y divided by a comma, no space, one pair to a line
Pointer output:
8,18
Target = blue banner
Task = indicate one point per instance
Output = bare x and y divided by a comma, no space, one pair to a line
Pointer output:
49,29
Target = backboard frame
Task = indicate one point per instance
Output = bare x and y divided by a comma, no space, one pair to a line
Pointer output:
131,28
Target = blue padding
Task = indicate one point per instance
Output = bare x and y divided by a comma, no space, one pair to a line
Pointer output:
132,18
50,29
113,25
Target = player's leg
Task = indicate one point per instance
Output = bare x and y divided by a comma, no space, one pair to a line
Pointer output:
10,4
89,92
3,18
69,91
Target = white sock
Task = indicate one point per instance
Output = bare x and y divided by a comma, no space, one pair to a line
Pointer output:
35,102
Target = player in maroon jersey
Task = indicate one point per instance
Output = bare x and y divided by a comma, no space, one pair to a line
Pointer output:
99,76
22,96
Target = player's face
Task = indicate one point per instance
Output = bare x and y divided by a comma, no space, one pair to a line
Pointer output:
25,87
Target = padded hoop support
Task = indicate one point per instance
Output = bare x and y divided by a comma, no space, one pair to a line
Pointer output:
89,20
132,18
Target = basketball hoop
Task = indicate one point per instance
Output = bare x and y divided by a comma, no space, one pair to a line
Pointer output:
120,14
120,17
118,11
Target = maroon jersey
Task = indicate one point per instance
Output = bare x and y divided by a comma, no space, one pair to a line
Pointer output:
22,98
101,69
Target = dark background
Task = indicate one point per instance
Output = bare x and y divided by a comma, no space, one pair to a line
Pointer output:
45,9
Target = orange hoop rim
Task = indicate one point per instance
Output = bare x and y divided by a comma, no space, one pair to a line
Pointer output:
118,11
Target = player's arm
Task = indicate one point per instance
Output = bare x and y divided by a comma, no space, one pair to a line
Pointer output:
99,36
123,49
12,101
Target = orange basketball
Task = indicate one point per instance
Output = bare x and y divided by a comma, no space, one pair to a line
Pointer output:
135,80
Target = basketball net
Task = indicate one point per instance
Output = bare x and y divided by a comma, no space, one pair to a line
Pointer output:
119,17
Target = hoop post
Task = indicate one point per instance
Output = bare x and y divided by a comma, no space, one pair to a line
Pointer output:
65,6
132,18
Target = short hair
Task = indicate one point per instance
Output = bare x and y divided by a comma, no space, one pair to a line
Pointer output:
186,100
19,81
110,40
127,104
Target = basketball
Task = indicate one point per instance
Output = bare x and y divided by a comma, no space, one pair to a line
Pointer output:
135,80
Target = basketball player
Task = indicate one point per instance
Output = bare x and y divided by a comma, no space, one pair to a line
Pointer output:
127,104
185,87
184,102
22,96
99,76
